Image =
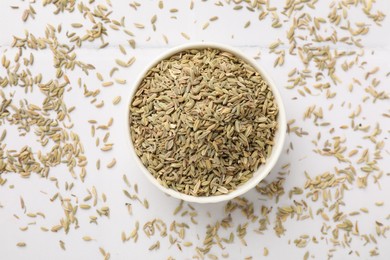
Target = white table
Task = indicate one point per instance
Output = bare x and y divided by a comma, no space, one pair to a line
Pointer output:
228,29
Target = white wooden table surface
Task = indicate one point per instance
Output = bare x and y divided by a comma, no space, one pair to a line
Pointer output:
228,29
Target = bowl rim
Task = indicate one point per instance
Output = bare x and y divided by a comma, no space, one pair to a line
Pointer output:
263,169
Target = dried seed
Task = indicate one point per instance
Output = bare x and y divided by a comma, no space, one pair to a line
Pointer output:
77,25
111,164
185,36
154,19
107,84
120,81
87,238
21,244
116,100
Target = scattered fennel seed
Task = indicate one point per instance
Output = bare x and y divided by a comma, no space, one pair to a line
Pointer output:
185,36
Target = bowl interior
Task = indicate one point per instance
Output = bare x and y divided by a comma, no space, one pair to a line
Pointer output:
260,173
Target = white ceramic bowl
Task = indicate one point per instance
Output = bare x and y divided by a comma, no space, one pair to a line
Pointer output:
261,172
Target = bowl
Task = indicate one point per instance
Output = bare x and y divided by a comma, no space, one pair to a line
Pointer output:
260,173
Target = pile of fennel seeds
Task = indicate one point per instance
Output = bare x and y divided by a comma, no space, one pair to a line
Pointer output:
202,121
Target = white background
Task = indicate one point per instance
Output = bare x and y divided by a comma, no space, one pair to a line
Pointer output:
228,29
